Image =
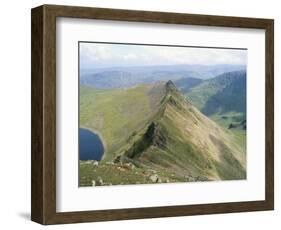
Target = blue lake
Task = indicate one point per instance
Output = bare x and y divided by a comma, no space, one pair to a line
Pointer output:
90,145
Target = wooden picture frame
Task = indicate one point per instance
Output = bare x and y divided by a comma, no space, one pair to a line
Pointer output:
43,207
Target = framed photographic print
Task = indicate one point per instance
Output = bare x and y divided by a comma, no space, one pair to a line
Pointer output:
140,114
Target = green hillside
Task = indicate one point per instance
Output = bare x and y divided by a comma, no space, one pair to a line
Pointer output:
222,98
118,113
155,129
187,84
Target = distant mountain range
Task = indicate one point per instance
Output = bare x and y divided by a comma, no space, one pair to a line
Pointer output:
124,77
154,127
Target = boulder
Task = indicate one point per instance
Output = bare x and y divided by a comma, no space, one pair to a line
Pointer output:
154,178
131,166
96,163
100,181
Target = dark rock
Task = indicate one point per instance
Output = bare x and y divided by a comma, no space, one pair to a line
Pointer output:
231,126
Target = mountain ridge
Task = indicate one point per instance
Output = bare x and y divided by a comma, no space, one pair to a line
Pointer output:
156,143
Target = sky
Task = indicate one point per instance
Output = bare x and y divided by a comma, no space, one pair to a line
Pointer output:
102,55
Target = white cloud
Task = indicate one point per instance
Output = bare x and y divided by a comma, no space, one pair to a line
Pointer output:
106,55
206,56
93,52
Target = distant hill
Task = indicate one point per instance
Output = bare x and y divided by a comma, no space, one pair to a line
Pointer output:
155,127
186,84
222,98
110,79
124,77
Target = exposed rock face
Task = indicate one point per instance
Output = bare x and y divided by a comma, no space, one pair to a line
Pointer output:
159,139
241,125
170,86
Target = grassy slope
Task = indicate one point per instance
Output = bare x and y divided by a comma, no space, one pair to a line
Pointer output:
222,98
184,144
118,174
191,144
117,114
